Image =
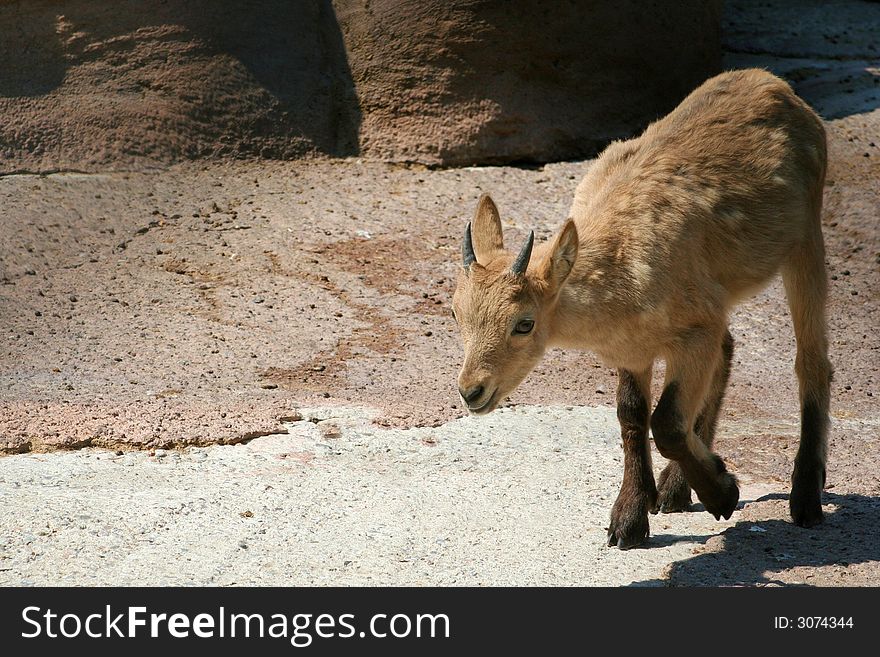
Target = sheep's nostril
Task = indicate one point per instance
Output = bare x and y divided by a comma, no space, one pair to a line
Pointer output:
471,395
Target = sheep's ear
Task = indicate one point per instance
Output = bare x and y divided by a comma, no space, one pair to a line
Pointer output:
564,252
486,230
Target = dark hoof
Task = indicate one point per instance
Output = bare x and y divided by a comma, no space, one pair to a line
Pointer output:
629,519
628,536
673,491
805,501
721,501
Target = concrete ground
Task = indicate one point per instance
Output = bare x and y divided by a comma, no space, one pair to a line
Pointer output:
520,498
243,372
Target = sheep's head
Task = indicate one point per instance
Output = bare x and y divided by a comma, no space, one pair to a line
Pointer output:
504,306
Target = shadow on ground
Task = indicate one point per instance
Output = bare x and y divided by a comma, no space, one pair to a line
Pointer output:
756,552
828,51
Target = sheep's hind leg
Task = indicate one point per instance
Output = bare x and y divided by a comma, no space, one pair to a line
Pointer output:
806,288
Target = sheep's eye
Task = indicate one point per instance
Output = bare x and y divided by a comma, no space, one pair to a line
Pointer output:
453,314
524,326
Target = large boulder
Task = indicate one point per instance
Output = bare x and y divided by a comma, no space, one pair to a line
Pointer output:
134,83
130,83
454,82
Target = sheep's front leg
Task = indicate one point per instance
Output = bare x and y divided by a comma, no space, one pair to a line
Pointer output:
638,494
673,491
689,371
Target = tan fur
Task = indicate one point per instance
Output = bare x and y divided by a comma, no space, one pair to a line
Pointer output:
668,232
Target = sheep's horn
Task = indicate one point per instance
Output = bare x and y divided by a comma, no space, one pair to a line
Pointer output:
522,260
467,248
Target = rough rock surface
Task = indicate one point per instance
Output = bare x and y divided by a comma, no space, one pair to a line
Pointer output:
126,85
216,302
481,81
122,85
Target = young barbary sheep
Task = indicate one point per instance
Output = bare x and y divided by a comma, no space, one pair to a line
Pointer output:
668,231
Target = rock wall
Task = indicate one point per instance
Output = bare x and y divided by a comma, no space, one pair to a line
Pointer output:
139,83
134,83
487,81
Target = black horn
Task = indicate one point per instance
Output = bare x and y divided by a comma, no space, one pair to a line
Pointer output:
522,260
467,248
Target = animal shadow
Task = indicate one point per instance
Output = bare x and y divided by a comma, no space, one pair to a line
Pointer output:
754,550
